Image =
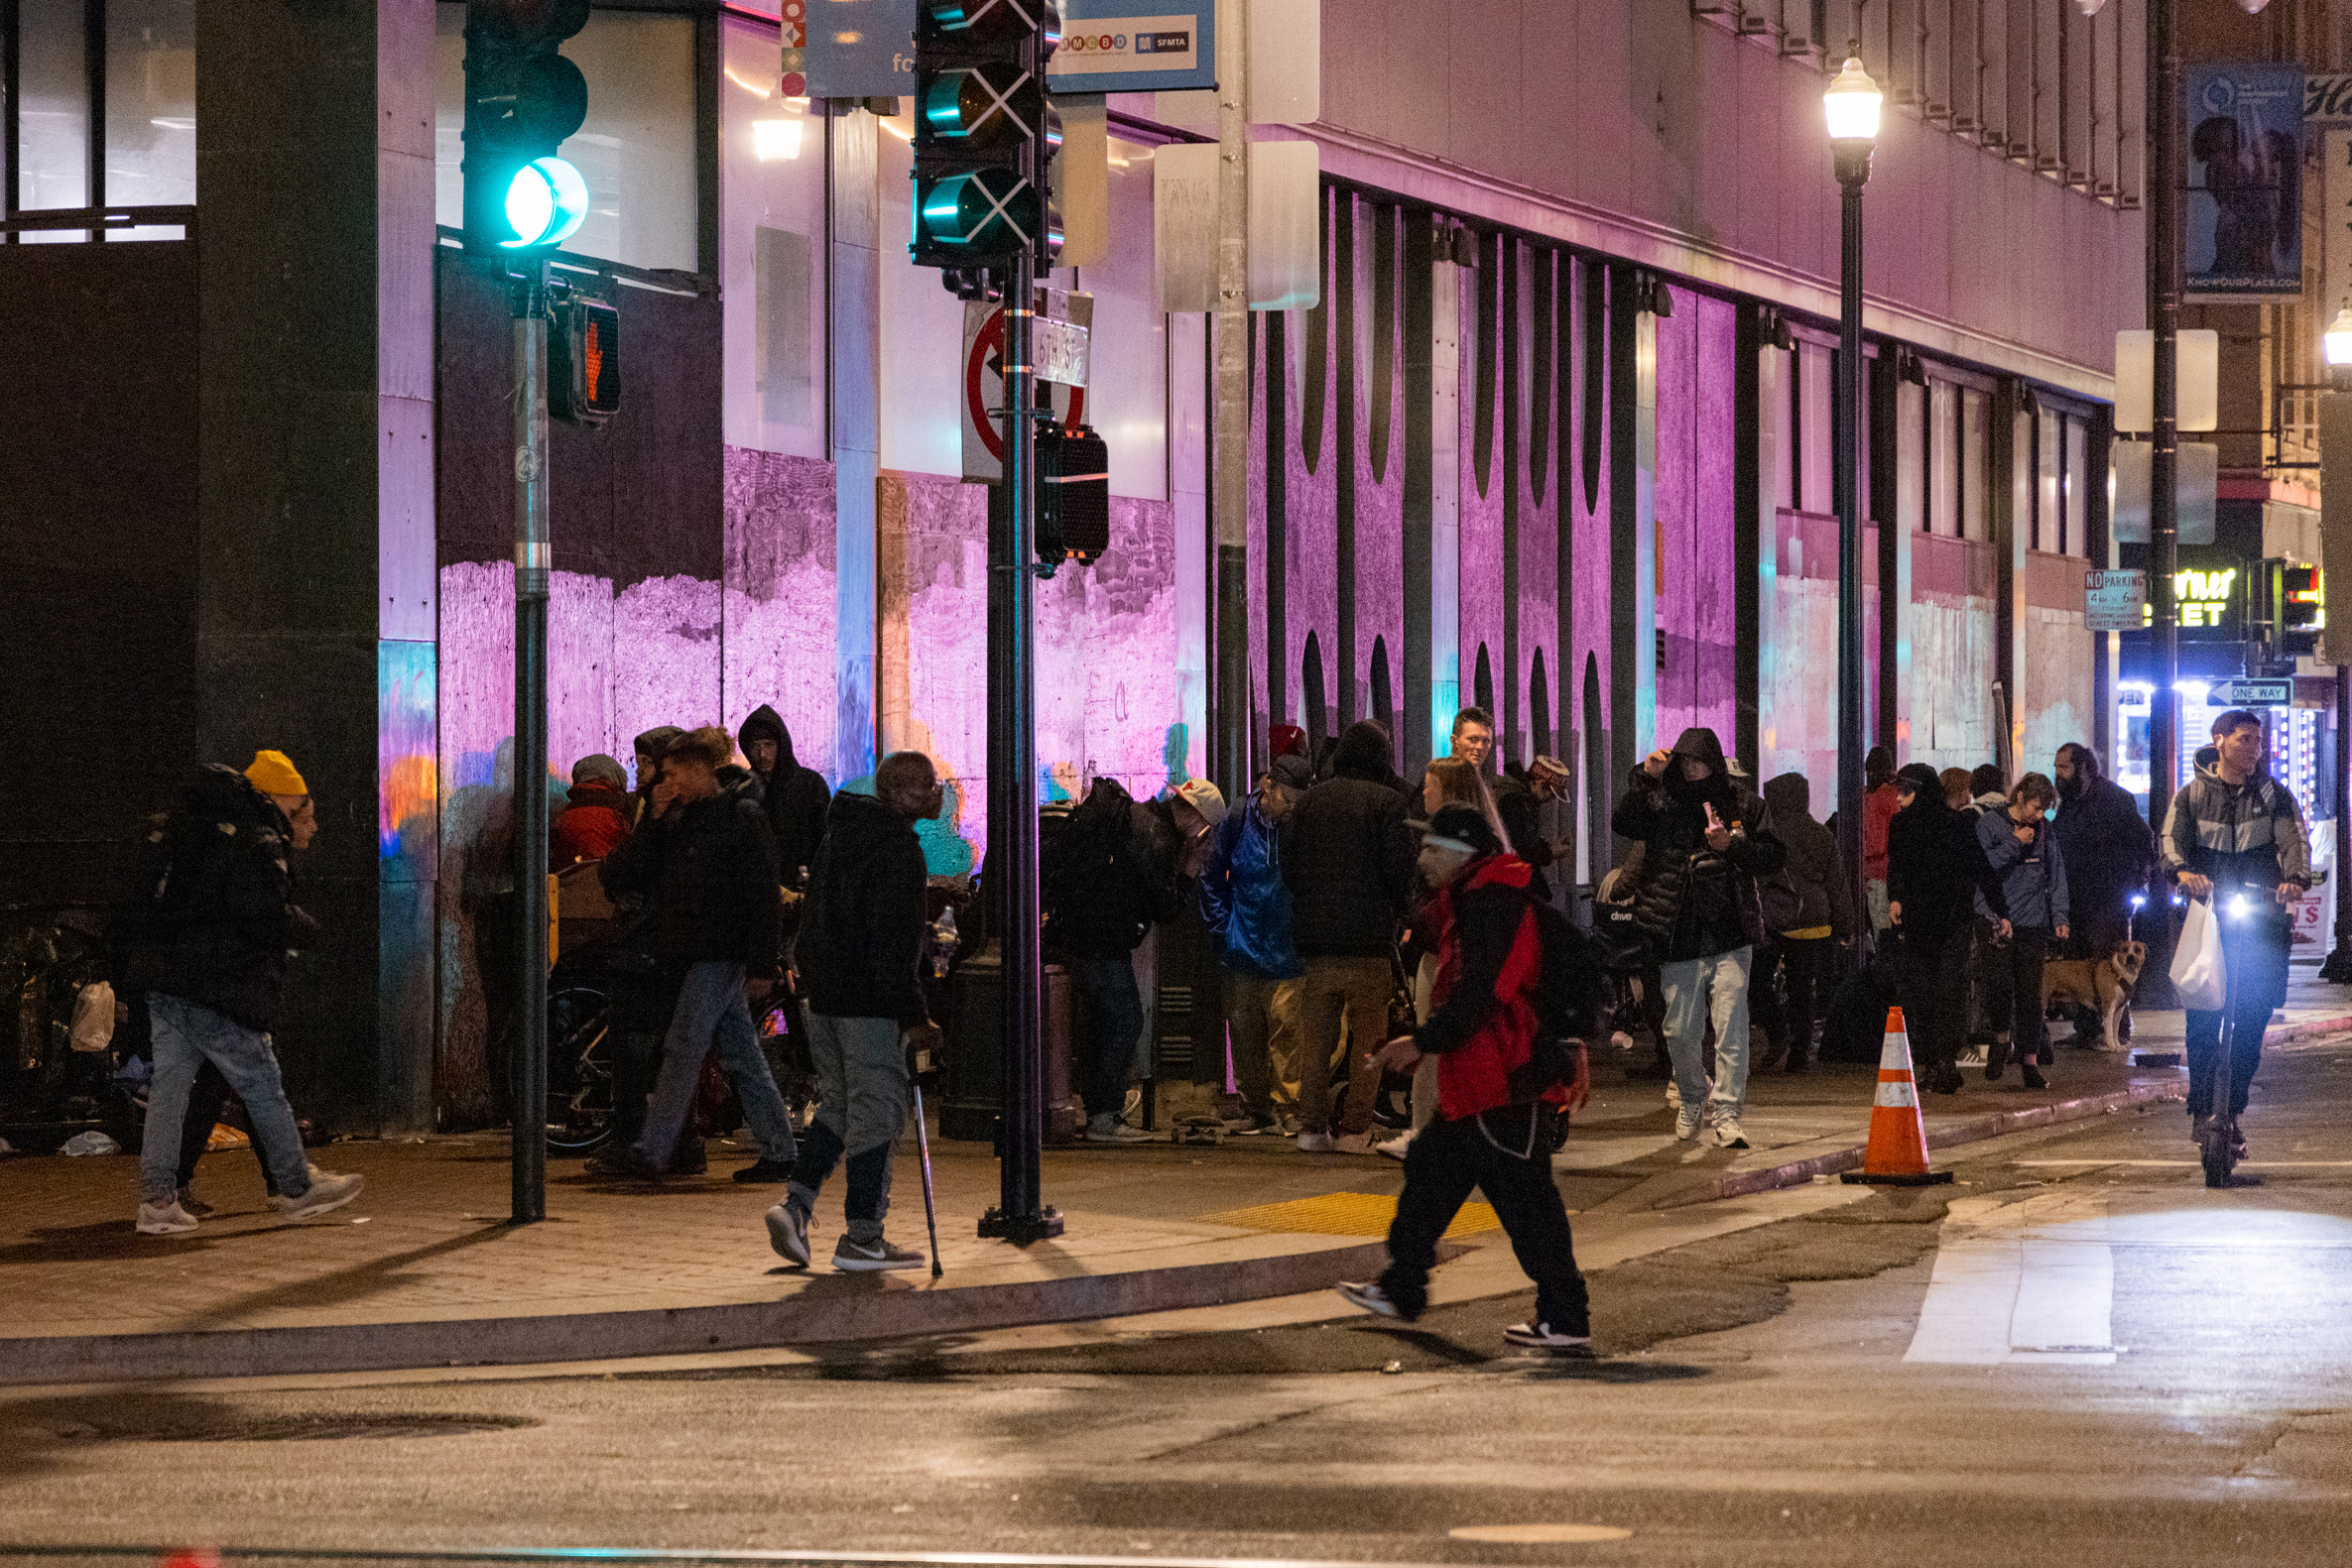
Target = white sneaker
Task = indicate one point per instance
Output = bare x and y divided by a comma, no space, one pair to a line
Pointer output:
327,1191
1535,1335
165,1219
853,1258
1315,1144
1728,1133
1367,1295
787,1232
1110,1129
1687,1124
1395,1148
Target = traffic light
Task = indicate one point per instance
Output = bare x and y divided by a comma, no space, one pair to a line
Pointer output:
2302,609
985,130
521,99
1074,496
583,359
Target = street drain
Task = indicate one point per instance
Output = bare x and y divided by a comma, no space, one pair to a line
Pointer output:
234,1426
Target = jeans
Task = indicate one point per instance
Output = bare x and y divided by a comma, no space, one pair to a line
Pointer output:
1501,1153
710,1010
861,1105
1698,990
2256,956
1261,1017
1359,989
207,1098
1110,1018
185,1037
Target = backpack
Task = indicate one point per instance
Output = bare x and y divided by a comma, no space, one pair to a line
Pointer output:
1779,902
1570,986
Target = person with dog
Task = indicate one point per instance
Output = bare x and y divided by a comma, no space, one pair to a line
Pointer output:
2108,848
2235,836
2023,854
1500,1093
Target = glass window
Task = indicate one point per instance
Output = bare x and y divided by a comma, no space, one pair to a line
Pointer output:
53,113
1783,431
1814,443
1910,458
636,151
2078,437
1127,401
2049,431
150,103
1944,458
1975,464
771,249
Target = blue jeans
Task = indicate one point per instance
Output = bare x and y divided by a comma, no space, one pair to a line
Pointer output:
1697,990
1110,1018
710,1010
861,1105
185,1037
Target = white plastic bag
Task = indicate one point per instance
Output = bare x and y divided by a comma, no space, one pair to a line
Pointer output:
93,1018
2200,978
91,1142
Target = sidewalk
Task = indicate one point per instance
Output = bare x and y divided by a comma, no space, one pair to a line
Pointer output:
425,1270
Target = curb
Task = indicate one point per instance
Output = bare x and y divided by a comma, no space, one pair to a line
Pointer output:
855,1307
1797,1172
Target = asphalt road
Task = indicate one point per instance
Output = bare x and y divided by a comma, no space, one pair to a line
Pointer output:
2074,1355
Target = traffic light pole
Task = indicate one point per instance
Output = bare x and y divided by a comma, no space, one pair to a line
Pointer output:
527,1065
2163,457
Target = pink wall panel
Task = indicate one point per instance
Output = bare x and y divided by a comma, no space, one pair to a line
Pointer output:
1311,558
779,605
1379,477
1481,492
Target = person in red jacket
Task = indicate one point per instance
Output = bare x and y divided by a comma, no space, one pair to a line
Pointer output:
1878,815
596,819
1497,1103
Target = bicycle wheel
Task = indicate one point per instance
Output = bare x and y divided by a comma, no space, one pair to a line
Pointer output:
579,1070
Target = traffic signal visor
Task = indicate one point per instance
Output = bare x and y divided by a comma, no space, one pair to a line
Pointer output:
545,204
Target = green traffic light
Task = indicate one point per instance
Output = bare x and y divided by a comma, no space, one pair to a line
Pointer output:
545,204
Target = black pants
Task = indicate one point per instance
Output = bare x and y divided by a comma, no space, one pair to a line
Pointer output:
1934,979
2013,970
1787,1012
2255,953
1505,1155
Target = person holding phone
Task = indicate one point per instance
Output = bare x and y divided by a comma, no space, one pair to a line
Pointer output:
2022,852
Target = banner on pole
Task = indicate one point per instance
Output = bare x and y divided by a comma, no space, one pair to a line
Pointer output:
2244,214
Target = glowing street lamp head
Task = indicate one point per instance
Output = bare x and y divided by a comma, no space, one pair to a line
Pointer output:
545,204
2337,340
1852,104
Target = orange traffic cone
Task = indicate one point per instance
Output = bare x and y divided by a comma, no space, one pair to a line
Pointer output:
1897,1155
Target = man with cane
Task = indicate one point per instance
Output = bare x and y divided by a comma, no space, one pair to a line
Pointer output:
861,956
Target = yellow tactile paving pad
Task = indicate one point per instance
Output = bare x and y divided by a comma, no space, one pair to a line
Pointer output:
1345,1214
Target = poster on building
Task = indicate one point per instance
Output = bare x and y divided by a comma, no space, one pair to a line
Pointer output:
853,49
2244,224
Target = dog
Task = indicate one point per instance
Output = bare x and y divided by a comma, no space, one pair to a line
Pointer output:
2085,988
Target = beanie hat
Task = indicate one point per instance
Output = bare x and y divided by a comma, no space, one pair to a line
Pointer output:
1921,779
273,772
1463,827
1203,797
1290,772
600,769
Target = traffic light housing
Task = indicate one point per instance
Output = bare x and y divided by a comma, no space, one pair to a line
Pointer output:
583,359
985,130
521,99
1074,496
2302,609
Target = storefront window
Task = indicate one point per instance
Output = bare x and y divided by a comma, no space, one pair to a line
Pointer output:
53,113
150,103
771,250
1976,472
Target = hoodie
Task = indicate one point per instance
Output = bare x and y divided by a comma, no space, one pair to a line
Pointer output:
1696,901
1243,902
795,799
1349,855
1482,1023
653,743
1103,881
1935,868
860,948
1824,899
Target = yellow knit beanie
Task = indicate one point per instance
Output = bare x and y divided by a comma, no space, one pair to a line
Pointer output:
273,772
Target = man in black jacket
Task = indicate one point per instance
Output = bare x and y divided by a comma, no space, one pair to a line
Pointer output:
706,862
1706,842
1935,871
1104,884
2108,850
861,954
210,940
1350,872
1824,912
794,798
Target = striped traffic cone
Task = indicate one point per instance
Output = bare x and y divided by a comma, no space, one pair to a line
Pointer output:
1897,1155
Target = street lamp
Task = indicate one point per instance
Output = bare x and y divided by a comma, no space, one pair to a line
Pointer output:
2335,463
2336,343
1851,106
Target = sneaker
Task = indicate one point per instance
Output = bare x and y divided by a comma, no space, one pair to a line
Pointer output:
1353,1143
787,1232
326,1191
1536,1335
692,1157
1369,1296
623,1163
1110,1129
165,1219
2033,1074
1314,1144
853,1258
765,1169
1995,1060
1396,1147
1728,1133
1687,1124
193,1204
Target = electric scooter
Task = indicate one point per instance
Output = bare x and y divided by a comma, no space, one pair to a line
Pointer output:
2220,1152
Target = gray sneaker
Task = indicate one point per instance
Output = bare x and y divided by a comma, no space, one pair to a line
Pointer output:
851,1258
328,1190
787,1232
165,1219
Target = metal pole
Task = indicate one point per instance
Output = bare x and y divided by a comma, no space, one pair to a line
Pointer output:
2335,463
1853,170
528,1064
2338,969
2163,316
1233,724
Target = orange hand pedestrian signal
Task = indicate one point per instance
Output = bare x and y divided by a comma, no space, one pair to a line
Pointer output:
583,360
1897,1153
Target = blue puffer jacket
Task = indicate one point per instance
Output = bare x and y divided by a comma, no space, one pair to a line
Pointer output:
1243,901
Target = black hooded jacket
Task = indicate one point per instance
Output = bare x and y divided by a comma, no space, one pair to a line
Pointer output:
214,920
860,947
1935,869
1103,878
2107,848
1348,858
796,797
709,871
1824,895
1695,902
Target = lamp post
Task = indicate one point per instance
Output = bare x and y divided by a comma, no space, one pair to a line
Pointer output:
1851,106
2335,524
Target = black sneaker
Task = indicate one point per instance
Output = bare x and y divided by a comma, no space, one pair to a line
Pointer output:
765,1169
787,1232
2033,1078
622,1163
1537,1335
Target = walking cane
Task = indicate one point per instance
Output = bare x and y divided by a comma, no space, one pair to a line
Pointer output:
923,1143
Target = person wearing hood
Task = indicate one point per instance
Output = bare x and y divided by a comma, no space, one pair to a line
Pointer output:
2108,848
1350,872
1825,917
1707,839
1934,872
596,818
2236,835
794,798
1500,1093
651,748
1247,911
